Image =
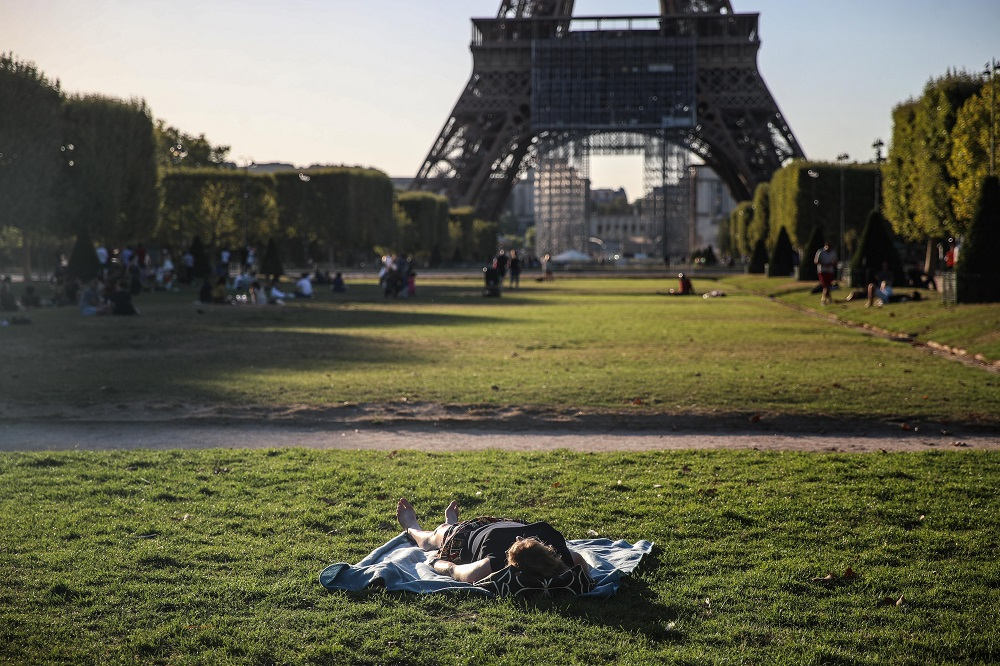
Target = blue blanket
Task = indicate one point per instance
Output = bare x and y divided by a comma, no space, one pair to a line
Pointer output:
400,565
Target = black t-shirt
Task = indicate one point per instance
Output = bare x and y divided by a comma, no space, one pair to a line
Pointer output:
495,539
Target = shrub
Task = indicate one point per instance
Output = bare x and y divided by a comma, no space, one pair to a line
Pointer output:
270,264
978,272
807,267
202,266
759,258
875,245
782,260
83,263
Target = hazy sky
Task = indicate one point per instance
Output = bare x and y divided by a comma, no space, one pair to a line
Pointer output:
371,82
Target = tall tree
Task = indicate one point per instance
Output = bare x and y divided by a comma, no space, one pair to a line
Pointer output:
760,225
30,155
111,188
899,174
936,114
968,164
175,149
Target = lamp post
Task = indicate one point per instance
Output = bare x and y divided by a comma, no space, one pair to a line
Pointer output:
878,146
814,175
841,159
992,67
247,164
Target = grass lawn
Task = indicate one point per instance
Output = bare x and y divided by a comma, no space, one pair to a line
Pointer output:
589,344
212,557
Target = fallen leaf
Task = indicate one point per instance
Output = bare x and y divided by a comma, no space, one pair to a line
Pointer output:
593,533
829,579
849,573
657,485
899,602
556,484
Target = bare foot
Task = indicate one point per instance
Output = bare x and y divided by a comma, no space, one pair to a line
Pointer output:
406,516
451,513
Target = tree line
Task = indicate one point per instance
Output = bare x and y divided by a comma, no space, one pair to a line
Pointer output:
71,164
928,191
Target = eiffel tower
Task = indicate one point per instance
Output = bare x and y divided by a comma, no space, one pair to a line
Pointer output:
688,75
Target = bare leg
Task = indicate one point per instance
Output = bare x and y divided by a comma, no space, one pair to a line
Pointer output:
426,540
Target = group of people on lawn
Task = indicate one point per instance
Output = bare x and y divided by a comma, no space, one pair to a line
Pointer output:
879,291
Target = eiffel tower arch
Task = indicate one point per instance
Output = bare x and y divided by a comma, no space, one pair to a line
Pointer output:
542,77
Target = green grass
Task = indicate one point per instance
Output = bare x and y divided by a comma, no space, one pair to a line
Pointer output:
974,328
205,557
599,345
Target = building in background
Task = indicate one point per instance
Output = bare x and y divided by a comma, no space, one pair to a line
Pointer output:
711,204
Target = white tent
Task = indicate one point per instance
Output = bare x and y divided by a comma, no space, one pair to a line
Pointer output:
570,256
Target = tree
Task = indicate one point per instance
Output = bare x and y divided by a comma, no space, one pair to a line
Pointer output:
899,174
782,259
759,258
760,225
936,113
30,155
270,263
485,233
428,235
742,216
111,189
876,245
175,149
202,264
83,263
347,210
968,164
807,266
218,205
977,273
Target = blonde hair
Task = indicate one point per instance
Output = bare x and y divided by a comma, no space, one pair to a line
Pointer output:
536,558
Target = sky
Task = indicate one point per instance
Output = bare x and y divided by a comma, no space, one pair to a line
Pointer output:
372,82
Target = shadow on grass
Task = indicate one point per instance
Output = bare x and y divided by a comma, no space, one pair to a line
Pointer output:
635,608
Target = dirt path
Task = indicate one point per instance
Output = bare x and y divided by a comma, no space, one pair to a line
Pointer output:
442,428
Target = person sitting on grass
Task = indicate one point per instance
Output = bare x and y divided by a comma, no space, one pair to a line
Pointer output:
471,550
684,286
304,287
880,289
220,295
121,300
91,303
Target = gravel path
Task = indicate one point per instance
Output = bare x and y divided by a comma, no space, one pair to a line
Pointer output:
98,435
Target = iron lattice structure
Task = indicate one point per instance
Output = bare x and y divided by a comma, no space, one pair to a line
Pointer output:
688,77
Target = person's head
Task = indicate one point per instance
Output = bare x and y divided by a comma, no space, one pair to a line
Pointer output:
535,558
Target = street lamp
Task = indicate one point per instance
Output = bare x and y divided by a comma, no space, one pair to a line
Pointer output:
992,67
815,202
878,146
247,164
841,159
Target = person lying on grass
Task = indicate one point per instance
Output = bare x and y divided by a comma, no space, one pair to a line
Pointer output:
471,550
